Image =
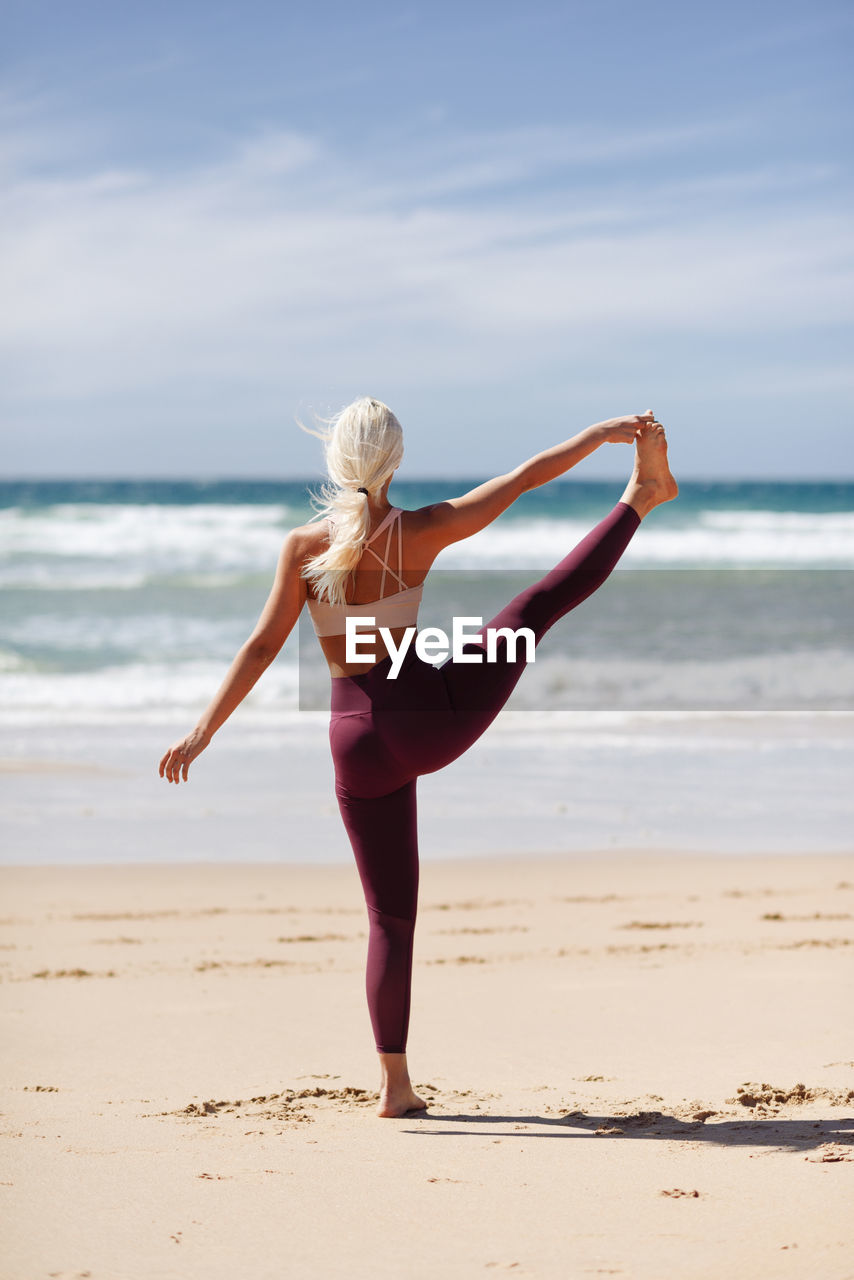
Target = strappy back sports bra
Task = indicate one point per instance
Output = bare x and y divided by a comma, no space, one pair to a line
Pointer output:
397,610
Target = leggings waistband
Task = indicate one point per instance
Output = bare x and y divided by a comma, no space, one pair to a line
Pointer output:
362,692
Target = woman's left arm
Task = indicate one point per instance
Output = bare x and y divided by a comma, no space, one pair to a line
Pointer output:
275,624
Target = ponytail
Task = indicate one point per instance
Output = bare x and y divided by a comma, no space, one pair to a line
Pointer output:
363,445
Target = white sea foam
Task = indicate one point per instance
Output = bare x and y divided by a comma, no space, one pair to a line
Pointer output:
758,539
113,531
12,661
154,635
759,683
719,539
90,546
128,691
801,678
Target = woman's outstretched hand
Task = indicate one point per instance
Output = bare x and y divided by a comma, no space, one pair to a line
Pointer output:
623,430
178,759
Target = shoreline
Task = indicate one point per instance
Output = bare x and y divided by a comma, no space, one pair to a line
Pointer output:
535,783
470,861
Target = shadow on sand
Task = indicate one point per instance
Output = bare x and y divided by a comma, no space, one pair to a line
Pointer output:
789,1135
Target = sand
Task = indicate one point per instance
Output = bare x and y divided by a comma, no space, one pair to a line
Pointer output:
637,1065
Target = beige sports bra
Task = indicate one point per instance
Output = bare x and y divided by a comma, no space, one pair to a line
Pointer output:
397,610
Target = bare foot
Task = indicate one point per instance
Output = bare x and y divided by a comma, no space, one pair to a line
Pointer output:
652,482
397,1096
398,1102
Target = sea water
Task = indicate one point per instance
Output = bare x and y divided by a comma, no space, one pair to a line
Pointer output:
128,600
124,602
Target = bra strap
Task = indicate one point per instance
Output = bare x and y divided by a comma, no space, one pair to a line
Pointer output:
397,514
385,560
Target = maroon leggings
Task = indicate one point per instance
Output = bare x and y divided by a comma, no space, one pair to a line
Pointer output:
385,733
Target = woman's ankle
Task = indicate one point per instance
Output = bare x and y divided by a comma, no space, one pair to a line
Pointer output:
394,1070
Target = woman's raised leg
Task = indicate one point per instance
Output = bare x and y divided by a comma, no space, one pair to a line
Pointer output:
478,691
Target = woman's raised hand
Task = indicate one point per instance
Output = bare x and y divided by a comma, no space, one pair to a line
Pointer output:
178,759
624,430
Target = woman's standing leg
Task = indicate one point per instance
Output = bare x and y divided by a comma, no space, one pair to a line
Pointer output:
384,836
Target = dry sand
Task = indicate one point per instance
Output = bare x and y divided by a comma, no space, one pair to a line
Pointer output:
637,1066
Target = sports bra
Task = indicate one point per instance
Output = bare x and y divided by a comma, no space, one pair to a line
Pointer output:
397,610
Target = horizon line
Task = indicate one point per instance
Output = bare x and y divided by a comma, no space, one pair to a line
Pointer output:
112,478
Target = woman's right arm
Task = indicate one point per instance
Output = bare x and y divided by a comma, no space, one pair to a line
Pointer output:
275,624
458,518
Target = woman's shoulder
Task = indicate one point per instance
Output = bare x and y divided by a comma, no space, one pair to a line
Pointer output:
309,539
417,519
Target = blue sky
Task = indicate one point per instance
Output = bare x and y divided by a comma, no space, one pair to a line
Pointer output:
505,220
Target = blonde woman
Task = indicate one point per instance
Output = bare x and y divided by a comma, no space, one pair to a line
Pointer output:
394,720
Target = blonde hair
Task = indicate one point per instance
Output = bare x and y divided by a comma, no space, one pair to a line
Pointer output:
363,445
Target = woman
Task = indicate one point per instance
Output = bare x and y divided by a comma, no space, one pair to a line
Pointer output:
384,731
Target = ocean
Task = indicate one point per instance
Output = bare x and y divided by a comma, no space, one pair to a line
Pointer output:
126,600
701,701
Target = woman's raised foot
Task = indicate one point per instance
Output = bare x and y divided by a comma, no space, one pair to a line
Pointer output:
652,481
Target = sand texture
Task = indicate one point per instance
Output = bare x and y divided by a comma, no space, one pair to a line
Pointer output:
636,1065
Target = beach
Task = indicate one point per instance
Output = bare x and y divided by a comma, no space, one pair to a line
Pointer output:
629,1008
633,960
635,1064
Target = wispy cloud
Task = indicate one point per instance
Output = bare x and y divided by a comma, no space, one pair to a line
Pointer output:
288,254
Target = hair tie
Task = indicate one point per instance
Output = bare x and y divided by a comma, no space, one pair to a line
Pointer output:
362,489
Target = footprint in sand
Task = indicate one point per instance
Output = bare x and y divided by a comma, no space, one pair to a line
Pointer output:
815,942
293,1105
831,1153
476,904
319,937
816,915
662,924
768,1096
73,973
507,928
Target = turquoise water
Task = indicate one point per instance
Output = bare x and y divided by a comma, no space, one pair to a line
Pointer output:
128,599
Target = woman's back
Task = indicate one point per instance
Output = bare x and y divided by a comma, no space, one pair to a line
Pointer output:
385,585
394,602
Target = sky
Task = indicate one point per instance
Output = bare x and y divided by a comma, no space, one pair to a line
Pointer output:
506,220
